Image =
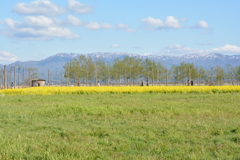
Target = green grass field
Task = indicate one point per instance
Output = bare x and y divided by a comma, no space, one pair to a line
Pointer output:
120,126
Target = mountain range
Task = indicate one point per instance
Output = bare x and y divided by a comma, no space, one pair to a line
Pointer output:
57,61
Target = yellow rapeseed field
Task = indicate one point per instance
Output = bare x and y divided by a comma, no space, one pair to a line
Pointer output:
119,90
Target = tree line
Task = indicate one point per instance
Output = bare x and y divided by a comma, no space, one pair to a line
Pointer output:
16,76
132,70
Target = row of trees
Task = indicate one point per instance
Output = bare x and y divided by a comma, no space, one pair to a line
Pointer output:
16,76
131,70
128,71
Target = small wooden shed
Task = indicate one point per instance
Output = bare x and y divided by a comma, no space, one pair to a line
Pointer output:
38,82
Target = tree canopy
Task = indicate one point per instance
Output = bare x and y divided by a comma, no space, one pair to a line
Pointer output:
131,70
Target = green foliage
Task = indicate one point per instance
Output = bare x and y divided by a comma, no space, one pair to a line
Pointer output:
220,73
184,72
237,75
131,70
112,126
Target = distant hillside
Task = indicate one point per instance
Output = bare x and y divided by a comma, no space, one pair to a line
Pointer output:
57,61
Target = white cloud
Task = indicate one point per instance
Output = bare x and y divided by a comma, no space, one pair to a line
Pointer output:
97,26
37,28
79,8
174,46
7,57
147,54
227,49
178,49
41,21
115,45
156,24
39,7
39,25
201,25
125,27
172,22
46,33
106,26
72,20
11,23
122,26
55,32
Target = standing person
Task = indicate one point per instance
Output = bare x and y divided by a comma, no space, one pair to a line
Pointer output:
12,85
191,82
141,82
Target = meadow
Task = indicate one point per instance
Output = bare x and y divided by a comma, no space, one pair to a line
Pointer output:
131,125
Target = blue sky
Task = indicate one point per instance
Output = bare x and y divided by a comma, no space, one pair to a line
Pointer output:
34,30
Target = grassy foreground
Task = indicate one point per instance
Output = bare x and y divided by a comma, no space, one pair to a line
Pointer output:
120,126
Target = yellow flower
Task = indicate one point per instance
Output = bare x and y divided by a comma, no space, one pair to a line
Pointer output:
119,90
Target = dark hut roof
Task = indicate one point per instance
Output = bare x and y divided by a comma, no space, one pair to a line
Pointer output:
38,80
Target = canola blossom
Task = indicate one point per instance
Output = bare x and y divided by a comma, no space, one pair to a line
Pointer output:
120,90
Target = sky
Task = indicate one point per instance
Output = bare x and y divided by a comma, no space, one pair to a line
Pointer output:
37,29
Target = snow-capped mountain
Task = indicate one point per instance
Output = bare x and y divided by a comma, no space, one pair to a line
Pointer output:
211,59
57,61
